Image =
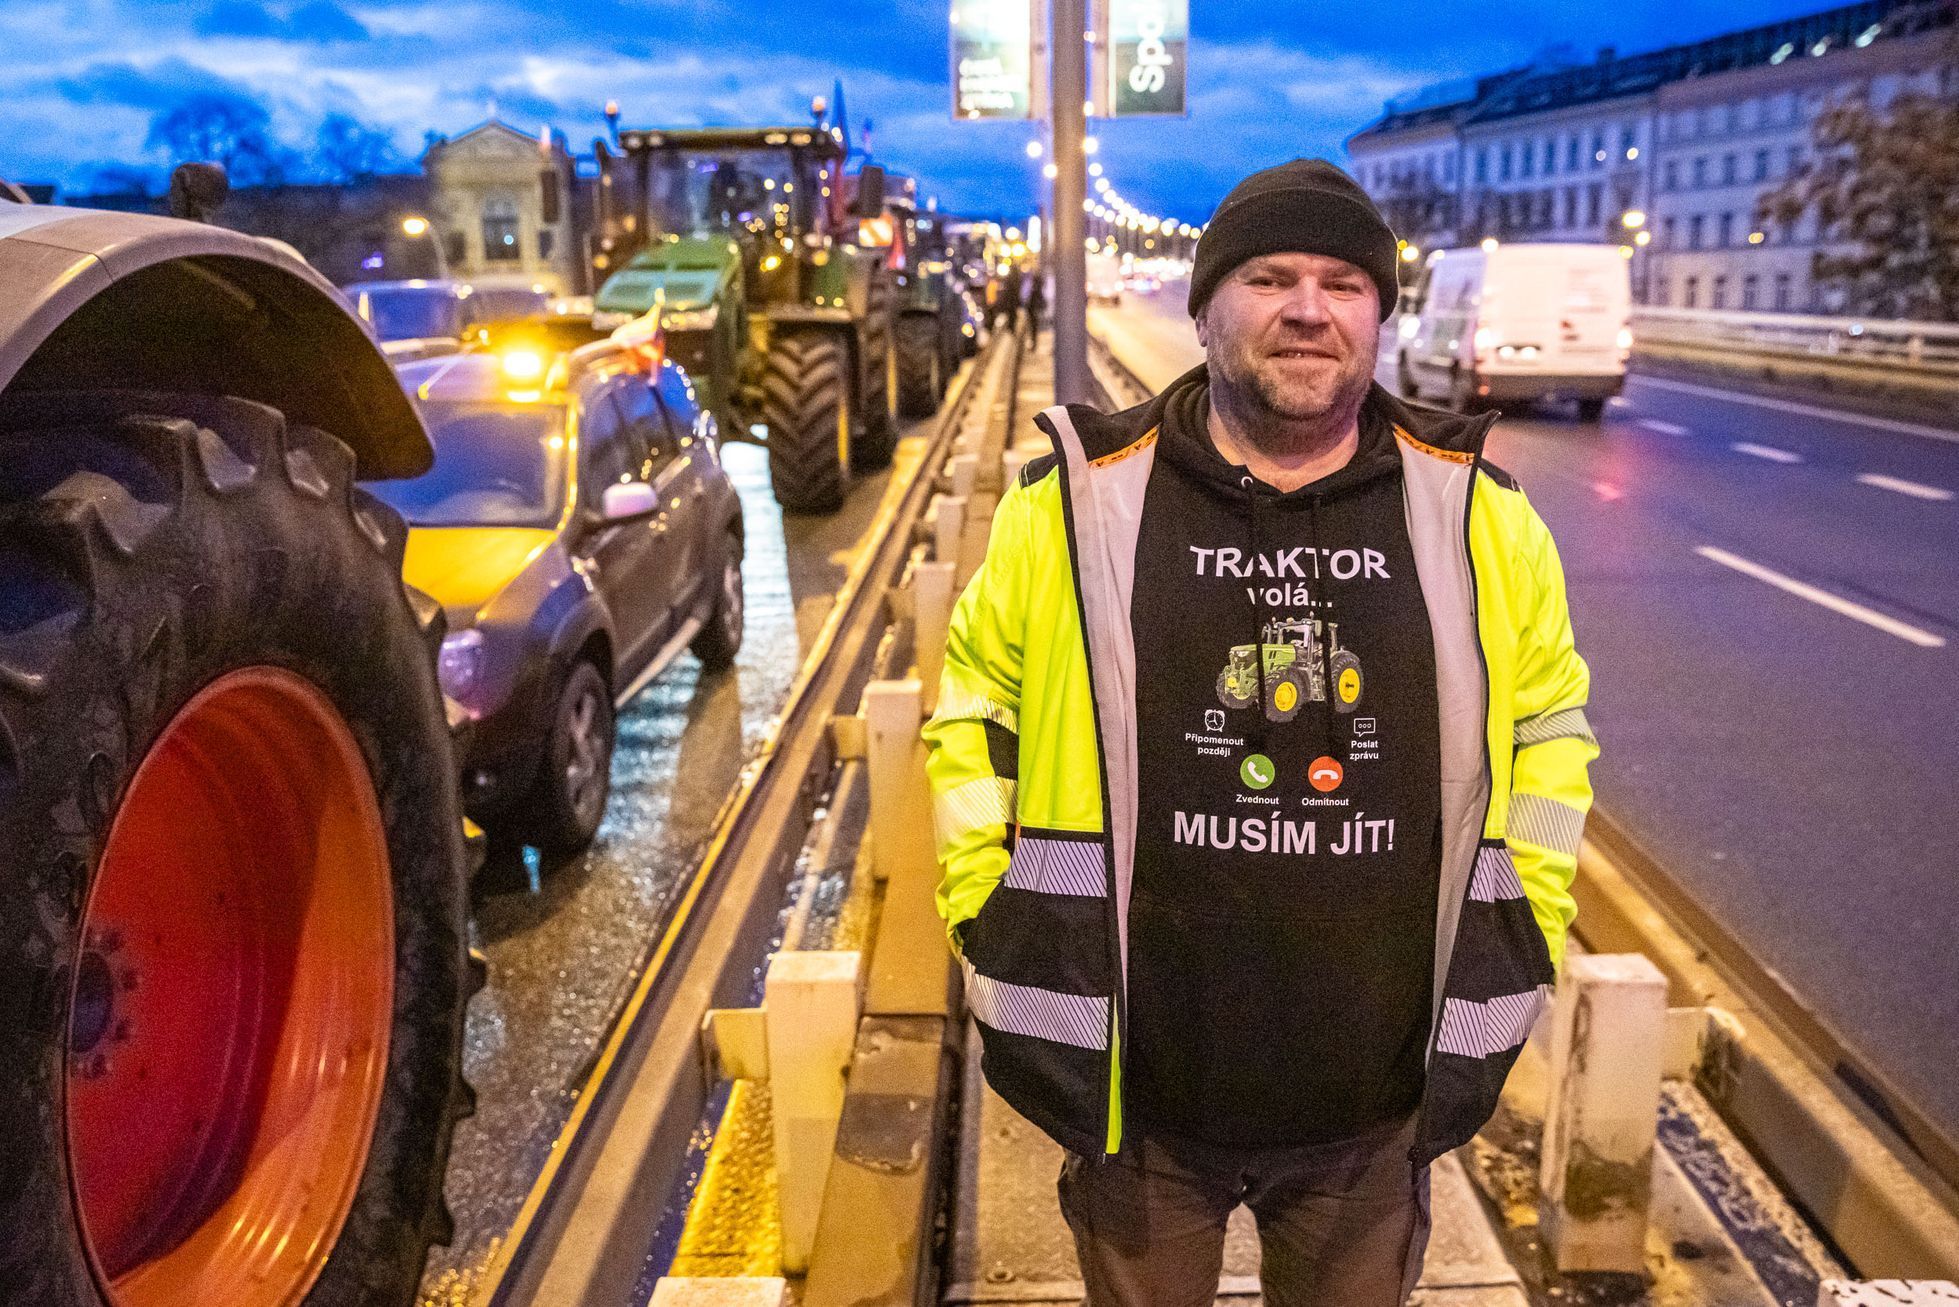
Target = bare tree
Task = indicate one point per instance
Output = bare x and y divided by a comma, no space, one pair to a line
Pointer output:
348,150
1884,188
222,129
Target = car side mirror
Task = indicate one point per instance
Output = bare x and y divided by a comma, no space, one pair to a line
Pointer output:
869,201
628,499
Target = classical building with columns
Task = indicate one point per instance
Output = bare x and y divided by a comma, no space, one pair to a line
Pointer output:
1669,148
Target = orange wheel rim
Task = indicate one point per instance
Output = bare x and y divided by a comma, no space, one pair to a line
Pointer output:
229,1016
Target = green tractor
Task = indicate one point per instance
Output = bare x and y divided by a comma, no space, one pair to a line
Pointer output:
1293,674
929,339
777,276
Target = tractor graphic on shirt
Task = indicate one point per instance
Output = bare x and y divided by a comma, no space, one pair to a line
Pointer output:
1293,670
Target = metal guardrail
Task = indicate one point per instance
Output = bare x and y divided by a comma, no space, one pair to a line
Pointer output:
1915,355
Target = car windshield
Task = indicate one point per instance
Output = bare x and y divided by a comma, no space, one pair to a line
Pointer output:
412,312
495,465
695,192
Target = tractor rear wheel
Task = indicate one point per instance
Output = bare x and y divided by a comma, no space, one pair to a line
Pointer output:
232,877
877,435
921,366
806,396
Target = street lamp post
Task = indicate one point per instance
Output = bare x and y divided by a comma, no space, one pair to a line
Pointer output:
1066,243
417,227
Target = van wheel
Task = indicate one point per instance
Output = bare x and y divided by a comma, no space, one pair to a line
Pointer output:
1591,410
1409,390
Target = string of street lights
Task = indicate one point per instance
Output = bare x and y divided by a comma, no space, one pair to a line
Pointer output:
1123,227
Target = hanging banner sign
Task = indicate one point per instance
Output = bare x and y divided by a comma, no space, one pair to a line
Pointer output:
992,59
1148,42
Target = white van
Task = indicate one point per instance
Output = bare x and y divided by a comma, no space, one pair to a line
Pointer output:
1521,322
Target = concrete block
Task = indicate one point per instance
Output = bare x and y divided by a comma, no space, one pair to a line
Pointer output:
736,1042
965,474
932,600
719,1291
811,1001
1608,1044
902,840
949,528
1887,1293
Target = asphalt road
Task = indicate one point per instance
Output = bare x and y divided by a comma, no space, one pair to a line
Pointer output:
565,942
1768,595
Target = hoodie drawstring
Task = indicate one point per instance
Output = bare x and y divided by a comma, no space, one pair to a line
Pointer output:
1261,613
1262,618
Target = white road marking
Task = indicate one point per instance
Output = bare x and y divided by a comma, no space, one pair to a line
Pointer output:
1823,598
1916,489
1810,410
1770,452
1664,428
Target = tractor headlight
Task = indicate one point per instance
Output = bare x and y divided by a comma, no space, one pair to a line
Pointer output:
459,666
701,319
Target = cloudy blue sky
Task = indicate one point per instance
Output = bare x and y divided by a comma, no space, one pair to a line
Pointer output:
80,80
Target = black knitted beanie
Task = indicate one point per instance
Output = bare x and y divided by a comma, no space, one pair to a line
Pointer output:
1307,206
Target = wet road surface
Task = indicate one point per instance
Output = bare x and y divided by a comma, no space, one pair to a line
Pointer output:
565,942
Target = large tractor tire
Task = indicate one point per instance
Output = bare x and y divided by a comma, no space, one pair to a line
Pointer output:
806,397
877,434
921,366
233,952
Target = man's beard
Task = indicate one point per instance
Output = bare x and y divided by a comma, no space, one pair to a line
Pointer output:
1271,408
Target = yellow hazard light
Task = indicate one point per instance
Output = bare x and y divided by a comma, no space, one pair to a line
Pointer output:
522,364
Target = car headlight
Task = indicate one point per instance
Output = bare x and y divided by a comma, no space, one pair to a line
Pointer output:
702,319
459,666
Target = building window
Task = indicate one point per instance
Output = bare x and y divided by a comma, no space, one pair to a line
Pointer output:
1718,297
1449,170
1782,291
1693,294
1592,198
1694,232
500,230
1527,159
1628,140
1726,230
1750,285
547,241
1571,154
1673,175
1761,165
1503,165
1482,163
1700,171
1571,206
1727,170
1667,231
1598,148
1795,159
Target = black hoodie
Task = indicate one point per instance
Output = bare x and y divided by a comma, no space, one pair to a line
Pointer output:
1282,920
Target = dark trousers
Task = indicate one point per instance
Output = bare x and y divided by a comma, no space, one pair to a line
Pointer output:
1339,1225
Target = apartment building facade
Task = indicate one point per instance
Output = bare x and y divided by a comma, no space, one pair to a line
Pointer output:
1665,152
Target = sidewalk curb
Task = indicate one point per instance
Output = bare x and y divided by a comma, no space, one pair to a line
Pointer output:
1887,1211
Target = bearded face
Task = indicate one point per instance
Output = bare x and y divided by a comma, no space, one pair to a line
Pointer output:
1292,338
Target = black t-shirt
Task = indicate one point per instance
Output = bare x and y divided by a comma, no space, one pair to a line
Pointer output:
1282,919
